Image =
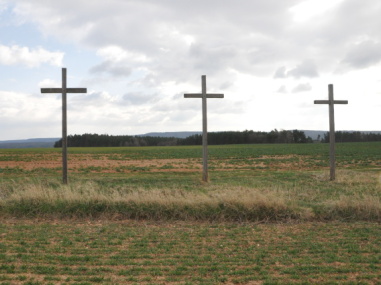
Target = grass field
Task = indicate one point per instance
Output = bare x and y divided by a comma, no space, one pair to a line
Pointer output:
103,252
269,215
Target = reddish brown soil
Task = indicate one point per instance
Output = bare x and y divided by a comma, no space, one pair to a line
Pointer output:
103,164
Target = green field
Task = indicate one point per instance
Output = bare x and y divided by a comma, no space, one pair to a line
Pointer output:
103,252
248,183
269,215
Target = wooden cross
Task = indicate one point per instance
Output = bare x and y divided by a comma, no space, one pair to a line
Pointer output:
64,90
203,95
331,104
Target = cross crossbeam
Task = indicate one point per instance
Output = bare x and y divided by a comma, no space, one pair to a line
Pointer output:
196,95
60,90
64,90
331,102
203,95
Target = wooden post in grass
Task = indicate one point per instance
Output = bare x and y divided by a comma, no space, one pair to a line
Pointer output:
64,90
203,95
331,102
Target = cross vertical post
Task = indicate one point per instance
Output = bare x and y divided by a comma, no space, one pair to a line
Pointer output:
331,102
203,95
204,131
64,90
64,127
332,137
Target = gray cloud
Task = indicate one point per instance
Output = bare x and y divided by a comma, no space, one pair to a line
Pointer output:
280,72
186,37
303,87
88,100
212,58
364,55
305,69
180,37
282,89
354,20
114,69
139,98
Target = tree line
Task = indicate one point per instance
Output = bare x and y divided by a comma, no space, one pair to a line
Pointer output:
95,140
341,136
250,137
214,138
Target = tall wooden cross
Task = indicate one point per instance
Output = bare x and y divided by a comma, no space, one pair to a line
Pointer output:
331,104
203,95
64,90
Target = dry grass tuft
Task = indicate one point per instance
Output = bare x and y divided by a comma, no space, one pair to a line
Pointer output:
89,199
354,196
357,207
350,177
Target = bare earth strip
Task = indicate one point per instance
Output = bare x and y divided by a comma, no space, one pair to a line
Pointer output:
105,164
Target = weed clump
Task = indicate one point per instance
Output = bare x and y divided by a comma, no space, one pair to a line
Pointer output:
91,200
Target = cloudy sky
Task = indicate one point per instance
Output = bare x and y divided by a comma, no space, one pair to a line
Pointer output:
137,58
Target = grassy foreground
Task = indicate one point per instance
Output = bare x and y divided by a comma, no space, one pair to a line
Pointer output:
101,252
270,215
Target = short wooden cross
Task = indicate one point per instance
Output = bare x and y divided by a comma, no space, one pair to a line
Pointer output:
64,90
203,95
331,102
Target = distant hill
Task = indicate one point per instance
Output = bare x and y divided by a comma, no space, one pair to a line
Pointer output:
315,134
180,135
29,143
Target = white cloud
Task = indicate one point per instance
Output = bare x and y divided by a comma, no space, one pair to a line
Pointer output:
17,103
118,54
49,83
309,9
118,61
16,55
24,115
3,6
